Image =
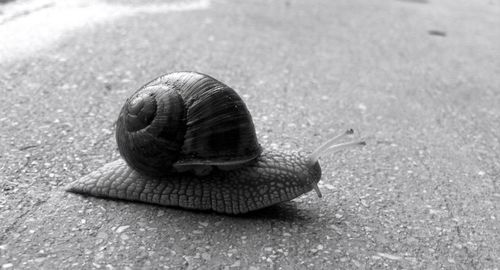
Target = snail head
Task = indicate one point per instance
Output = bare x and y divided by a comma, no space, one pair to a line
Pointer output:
331,146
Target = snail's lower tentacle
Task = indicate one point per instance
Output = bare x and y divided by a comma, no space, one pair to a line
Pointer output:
233,192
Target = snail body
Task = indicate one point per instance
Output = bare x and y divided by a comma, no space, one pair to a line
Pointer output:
188,140
262,183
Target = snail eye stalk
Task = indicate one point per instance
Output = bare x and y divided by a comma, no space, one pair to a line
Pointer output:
329,146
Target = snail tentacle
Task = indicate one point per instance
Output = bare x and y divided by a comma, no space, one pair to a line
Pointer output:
341,146
318,192
319,151
329,146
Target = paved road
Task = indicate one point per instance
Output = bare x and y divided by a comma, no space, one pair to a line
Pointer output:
419,79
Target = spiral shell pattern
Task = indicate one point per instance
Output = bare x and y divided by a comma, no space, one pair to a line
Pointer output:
186,119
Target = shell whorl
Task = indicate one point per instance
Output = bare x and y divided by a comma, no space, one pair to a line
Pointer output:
185,119
150,129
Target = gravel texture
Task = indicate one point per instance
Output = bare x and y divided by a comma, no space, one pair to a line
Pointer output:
418,79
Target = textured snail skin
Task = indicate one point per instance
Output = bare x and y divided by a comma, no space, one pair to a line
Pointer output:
273,178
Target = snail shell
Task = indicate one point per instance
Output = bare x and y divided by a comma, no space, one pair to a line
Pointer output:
185,120
188,140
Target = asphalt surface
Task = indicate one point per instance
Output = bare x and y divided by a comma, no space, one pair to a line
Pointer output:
418,79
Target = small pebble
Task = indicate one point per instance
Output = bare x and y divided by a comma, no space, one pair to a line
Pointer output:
389,256
328,186
362,107
122,228
204,224
206,256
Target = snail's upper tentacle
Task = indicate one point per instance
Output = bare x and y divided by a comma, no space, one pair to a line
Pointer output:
332,145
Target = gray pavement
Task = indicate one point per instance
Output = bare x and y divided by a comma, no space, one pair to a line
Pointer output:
419,79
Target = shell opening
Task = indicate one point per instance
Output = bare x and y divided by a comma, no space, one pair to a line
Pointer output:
329,146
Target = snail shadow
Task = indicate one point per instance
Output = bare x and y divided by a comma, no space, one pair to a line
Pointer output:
285,211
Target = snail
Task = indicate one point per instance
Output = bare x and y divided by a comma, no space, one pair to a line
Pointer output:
188,140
